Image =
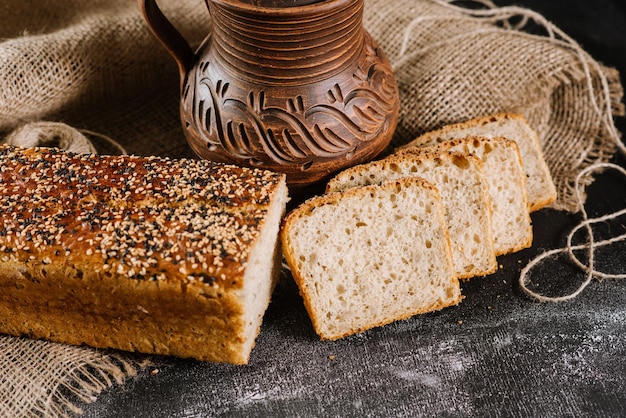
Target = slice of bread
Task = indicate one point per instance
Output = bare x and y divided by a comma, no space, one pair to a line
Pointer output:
502,165
464,192
541,189
370,255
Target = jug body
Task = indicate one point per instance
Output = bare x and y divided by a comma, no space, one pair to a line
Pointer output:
302,90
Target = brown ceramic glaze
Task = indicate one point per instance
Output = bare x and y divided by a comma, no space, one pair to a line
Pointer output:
302,89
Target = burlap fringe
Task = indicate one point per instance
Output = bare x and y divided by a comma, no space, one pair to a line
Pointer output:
80,374
82,385
616,89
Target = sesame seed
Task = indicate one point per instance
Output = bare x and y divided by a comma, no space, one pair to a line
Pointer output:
150,218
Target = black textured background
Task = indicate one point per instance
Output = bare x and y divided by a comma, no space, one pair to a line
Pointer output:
497,354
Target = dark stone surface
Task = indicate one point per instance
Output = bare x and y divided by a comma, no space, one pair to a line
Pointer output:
498,353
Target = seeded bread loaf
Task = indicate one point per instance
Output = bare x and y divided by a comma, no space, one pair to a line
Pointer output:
370,255
464,193
502,165
139,254
541,189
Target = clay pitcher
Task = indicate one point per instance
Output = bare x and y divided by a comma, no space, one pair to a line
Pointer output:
294,86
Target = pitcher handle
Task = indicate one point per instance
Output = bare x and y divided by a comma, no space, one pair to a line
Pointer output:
168,35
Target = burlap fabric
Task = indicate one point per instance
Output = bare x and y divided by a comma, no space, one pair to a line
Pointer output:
95,66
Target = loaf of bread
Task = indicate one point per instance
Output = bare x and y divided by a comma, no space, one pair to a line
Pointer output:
173,257
370,255
464,193
502,165
541,189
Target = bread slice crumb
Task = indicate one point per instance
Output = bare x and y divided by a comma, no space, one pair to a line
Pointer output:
464,193
371,255
502,165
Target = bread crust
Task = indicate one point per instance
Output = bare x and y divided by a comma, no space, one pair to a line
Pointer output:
427,137
139,254
537,201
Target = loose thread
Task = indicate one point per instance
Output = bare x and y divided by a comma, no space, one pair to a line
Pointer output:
590,245
110,142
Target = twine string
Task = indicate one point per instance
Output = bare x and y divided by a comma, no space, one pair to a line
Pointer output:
60,135
590,246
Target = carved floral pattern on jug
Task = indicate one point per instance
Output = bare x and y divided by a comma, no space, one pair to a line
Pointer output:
240,120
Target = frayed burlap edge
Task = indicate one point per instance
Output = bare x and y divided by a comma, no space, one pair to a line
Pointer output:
81,374
574,100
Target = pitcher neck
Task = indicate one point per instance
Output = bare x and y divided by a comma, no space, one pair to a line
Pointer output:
289,45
